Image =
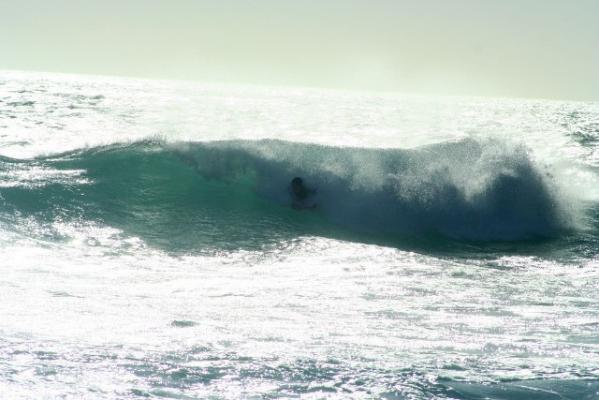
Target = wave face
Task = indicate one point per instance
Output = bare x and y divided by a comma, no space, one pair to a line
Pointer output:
236,193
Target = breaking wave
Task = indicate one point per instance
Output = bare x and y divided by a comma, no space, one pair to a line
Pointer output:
227,193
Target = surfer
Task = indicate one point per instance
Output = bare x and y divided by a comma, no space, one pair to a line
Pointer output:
301,195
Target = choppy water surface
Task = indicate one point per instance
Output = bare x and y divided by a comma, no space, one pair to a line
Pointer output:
148,247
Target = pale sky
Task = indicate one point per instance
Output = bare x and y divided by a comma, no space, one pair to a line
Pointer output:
507,48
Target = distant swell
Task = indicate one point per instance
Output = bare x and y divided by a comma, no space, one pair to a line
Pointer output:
230,193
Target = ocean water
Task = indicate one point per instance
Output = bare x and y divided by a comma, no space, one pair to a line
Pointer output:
148,247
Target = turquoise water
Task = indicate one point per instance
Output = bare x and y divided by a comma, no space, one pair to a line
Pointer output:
149,247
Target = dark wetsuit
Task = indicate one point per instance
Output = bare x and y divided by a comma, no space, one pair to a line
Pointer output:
300,194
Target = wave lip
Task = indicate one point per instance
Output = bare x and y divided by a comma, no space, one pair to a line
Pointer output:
232,190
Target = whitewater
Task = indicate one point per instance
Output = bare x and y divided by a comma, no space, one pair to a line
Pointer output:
148,247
